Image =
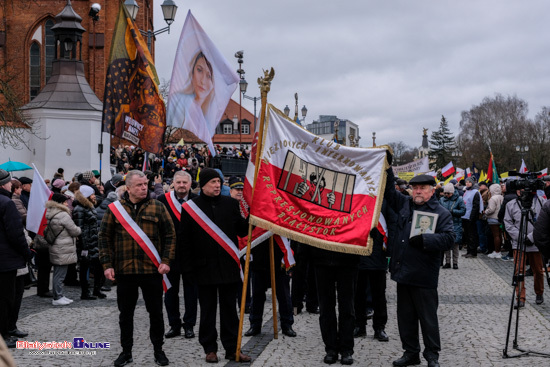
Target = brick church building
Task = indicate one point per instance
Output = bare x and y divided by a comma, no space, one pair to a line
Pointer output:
27,41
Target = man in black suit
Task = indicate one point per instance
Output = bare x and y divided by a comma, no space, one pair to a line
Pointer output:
173,200
210,224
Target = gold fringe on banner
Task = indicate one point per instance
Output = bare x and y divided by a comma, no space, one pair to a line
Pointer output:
313,241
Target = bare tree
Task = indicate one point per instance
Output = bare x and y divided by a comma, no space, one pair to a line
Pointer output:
497,124
402,153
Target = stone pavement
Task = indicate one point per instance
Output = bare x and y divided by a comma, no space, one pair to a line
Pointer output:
473,315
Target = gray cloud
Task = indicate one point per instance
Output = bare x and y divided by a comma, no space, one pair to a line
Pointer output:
391,67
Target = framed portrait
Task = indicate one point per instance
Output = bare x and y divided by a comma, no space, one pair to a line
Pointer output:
423,223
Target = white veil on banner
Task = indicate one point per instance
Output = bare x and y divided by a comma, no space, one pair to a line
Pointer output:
202,83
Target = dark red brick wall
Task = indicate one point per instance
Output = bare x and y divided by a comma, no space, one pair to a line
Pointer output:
18,19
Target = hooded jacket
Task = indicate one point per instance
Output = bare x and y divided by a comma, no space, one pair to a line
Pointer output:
512,220
85,216
493,207
63,250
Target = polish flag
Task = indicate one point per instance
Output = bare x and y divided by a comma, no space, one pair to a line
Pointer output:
523,168
36,213
448,169
543,173
459,173
468,172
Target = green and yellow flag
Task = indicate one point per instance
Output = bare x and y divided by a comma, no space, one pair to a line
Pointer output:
133,108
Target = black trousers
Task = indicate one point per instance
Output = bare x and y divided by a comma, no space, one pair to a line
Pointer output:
7,298
377,281
19,290
172,301
337,336
414,305
44,269
87,264
261,281
127,296
303,283
229,320
470,237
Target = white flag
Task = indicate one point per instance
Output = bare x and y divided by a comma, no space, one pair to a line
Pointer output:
36,213
202,84
523,168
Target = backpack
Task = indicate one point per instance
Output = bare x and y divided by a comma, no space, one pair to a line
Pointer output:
49,234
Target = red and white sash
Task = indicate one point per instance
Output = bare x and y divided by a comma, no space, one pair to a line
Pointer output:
259,235
174,204
139,236
214,231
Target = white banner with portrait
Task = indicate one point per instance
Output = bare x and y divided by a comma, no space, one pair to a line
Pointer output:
201,85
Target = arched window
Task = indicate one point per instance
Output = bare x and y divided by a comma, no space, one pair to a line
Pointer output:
34,70
49,48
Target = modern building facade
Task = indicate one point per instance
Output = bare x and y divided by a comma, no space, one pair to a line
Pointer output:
325,127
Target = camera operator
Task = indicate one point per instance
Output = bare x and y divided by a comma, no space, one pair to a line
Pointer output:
541,234
512,221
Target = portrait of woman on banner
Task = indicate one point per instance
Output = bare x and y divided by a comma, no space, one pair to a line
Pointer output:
201,85
196,96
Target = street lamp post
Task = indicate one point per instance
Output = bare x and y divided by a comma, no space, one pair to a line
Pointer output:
373,139
522,149
242,88
169,9
94,15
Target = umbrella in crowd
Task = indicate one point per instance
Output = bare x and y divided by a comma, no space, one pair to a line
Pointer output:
11,166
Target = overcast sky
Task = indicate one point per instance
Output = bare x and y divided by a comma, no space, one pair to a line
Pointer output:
392,67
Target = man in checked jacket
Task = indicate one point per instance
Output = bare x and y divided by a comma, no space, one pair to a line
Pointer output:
124,259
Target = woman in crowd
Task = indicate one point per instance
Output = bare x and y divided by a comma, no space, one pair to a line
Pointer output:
493,207
63,249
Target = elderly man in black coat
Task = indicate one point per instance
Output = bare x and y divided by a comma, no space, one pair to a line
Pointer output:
415,265
211,265
14,253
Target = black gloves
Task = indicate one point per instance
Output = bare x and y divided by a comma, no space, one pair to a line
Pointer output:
528,242
389,157
417,242
375,234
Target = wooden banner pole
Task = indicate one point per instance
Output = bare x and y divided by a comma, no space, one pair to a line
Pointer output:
265,86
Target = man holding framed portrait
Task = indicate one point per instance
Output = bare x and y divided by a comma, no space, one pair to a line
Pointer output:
424,230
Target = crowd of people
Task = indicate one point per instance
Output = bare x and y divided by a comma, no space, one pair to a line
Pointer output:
140,230
181,157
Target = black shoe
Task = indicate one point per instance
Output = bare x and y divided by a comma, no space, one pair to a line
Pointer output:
359,331
407,360
314,310
447,266
539,301
289,332
11,342
105,288
123,359
160,358
381,335
370,313
173,332
188,332
18,333
87,297
330,358
48,294
529,272
455,266
253,331
433,363
99,295
520,304
346,359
